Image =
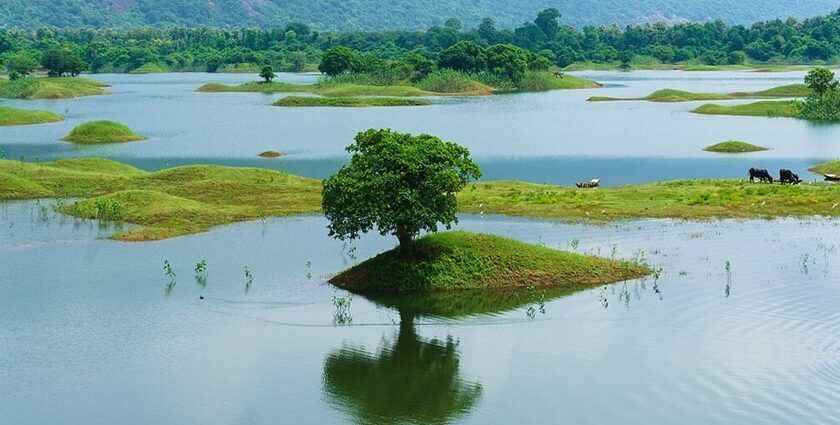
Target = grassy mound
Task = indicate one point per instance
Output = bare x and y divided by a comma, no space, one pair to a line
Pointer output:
734,146
832,167
171,202
352,102
50,88
150,68
14,116
772,109
96,132
672,95
270,154
461,260
544,81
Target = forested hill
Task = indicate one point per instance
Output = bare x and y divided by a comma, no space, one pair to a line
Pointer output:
389,14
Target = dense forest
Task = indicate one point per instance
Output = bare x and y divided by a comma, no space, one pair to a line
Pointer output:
375,15
297,47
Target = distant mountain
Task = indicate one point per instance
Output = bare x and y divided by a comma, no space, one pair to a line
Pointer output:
389,14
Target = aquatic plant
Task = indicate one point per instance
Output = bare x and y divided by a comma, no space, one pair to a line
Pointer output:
342,309
249,279
201,273
309,269
728,269
168,271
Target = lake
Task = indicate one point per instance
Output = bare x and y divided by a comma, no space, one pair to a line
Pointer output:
738,326
94,332
552,137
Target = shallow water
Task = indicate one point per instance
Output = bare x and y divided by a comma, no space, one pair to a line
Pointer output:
553,137
93,333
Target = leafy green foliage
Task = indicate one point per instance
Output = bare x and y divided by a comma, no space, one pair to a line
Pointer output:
397,183
59,61
267,74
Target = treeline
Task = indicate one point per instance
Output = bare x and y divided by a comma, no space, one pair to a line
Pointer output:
296,47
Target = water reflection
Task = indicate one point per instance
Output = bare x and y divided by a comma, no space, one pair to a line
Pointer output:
408,380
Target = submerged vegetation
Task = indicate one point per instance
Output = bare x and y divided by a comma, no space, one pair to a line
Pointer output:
15,116
49,87
357,102
461,260
96,132
734,146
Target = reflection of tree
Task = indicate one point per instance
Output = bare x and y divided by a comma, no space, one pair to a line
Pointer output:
410,380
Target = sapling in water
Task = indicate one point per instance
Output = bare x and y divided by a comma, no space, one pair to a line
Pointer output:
249,279
728,268
342,309
201,273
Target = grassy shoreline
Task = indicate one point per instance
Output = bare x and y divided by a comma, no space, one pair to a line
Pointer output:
50,88
15,116
184,200
453,261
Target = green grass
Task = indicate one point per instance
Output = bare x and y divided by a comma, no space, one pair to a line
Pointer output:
270,154
546,80
150,68
438,83
772,109
50,88
96,132
322,89
449,81
672,95
686,199
734,146
298,101
232,194
167,203
467,261
15,116
832,167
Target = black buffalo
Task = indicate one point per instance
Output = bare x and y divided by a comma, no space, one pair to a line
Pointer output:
761,174
787,176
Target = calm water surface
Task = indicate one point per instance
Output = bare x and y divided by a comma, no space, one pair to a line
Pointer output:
554,137
92,332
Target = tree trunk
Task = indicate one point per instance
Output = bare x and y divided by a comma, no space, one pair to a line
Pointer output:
406,243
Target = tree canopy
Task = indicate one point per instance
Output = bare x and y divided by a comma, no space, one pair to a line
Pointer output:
398,184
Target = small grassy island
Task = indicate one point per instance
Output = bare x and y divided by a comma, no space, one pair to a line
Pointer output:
672,95
770,109
96,132
462,260
436,84
50,88
270,154
734,146
347,102
15,116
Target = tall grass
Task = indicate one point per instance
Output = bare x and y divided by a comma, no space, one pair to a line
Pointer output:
450,81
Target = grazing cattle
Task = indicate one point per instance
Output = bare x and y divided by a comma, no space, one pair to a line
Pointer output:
761,174
788,177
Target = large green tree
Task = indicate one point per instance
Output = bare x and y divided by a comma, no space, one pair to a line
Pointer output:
399,184
338,60
507,61
464,56
59,61
820,80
